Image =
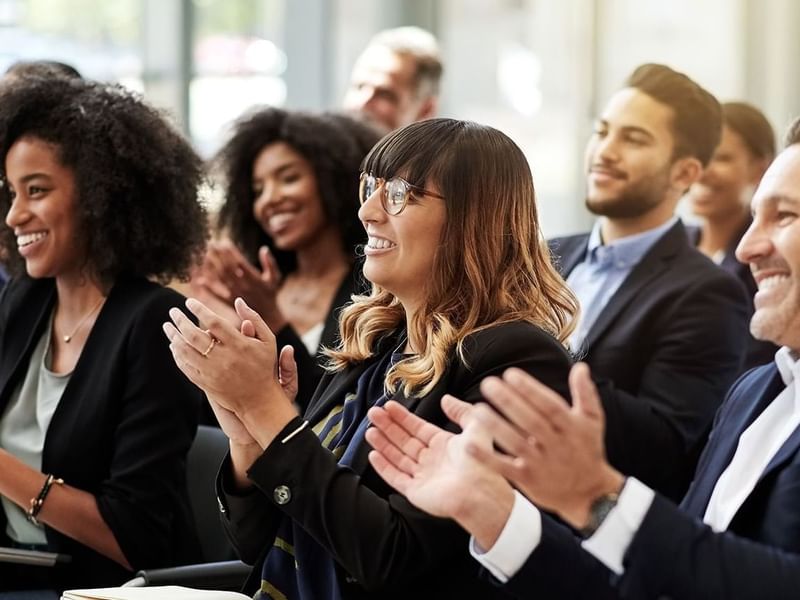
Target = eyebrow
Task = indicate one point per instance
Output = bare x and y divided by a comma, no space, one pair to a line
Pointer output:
773,199
32,176
282,168
629,129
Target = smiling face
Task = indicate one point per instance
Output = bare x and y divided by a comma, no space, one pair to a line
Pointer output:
286,199
43,212
729,179
772,248
382,86
629,156
401,249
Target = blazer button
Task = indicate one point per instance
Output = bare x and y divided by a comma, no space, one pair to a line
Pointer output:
282,494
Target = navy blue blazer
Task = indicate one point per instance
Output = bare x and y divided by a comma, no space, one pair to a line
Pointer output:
673,554
664,351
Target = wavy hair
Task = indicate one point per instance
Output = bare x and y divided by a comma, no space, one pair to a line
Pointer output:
492,265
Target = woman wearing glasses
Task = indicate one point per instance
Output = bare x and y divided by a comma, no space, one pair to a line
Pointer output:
462,288
290,216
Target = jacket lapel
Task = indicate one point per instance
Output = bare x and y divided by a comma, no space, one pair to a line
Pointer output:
655,262
568,252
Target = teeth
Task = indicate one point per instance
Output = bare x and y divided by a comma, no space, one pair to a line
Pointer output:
278,220
27,239
771,282
377,243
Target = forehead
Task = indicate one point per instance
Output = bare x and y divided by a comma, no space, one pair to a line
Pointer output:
381,66
276,155
782,179
630,107
31,154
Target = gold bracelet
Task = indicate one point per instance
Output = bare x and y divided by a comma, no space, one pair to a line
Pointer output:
38,501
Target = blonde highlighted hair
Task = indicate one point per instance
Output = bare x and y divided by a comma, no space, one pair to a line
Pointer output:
492,265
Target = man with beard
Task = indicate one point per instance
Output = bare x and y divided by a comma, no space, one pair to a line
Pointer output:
662,328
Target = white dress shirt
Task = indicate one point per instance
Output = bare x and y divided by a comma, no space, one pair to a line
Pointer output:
758,445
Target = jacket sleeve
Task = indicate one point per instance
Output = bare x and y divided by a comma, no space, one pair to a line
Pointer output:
675,556
383,540
698,355
144,500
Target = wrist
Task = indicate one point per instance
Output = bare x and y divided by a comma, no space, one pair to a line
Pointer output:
484,512
266,421
608,484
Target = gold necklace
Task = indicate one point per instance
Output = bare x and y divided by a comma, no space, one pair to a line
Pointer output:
68,337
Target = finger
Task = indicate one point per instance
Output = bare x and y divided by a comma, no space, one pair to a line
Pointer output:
539,396
518,412
198,339
392,429
287,367
584,392
248,329
390,474
516,470
216,325
507,437
186,360
456,410
414,425
270,272
170,331
262,331
399,459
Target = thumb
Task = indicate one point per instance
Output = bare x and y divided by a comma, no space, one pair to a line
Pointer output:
270,272
585,398
456,410
260,330
287,372
248,329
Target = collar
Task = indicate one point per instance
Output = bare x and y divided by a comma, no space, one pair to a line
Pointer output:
787,362
626,252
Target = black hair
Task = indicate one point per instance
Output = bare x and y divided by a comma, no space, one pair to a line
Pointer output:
334,146
136,176
43,68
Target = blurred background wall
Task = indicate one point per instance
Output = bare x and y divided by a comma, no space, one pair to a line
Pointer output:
537,69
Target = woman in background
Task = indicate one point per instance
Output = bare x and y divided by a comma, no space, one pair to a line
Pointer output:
99,195
291,198
722,199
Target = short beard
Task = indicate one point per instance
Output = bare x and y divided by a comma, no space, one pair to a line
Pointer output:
635,200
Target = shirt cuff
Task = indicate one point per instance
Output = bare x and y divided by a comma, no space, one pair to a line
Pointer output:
519,538
611,540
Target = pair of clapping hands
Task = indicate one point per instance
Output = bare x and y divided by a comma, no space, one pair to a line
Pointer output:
527,436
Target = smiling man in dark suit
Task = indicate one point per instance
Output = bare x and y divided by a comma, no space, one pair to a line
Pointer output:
663,329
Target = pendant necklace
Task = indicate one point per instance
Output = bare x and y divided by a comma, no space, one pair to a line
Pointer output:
68,337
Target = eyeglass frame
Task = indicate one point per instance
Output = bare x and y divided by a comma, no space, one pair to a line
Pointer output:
380,182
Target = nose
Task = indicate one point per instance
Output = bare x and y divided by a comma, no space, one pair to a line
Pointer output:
268,196
755,244
607,149
372,211
16,214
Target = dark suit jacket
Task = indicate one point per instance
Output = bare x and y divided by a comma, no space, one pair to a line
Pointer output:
309,368
664,351
122,428
385,547
758,352
673,554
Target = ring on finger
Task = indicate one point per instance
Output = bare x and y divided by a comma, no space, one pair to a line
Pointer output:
211,344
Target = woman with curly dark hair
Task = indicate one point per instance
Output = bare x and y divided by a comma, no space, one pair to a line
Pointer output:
100,198
290,211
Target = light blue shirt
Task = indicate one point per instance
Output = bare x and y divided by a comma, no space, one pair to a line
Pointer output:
603,270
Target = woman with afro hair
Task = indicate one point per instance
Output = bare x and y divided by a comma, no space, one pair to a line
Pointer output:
290,219
99,195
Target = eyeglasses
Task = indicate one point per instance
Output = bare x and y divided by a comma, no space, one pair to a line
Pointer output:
396,192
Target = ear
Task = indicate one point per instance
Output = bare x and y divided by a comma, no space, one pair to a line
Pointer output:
685,171
428,109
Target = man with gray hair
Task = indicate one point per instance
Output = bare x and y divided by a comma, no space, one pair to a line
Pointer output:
395,80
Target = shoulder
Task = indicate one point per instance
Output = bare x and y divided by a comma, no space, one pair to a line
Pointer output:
515,340
566,243
143,297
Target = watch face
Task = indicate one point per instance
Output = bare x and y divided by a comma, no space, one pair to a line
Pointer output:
598,513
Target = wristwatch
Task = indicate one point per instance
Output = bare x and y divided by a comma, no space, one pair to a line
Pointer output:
598,512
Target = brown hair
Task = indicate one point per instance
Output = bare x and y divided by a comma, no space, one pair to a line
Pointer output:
752,126
492,265
793,133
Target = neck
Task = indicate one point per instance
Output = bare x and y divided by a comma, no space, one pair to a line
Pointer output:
719,232
78,295
617,228
413,345
325,255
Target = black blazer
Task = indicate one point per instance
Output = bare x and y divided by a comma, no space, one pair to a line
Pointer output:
665,350
121,430
384,547
309,368
673,554
758,352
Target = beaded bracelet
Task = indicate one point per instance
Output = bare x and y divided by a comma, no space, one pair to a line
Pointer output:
38,502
